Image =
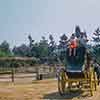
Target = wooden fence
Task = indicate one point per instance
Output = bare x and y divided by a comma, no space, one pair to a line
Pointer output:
38,72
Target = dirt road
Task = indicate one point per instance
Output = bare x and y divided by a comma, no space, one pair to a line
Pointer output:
40,90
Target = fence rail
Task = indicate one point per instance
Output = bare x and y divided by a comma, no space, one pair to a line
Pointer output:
37,72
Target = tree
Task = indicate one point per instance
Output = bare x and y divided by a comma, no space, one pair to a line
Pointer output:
34,47
22,51
96,37
5,49
62,46
35,50
31,41
52,45
5,46
96,40
63,41
51,51
43,46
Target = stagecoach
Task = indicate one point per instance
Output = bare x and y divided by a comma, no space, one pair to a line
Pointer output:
78,70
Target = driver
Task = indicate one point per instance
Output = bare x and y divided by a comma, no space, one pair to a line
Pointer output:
72,45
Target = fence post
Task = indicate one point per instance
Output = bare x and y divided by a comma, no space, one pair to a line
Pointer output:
12,71
12,74
38,75
37,72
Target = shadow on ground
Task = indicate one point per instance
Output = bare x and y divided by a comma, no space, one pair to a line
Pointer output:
68,95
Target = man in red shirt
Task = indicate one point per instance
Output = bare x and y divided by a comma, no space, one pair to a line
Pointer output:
72,45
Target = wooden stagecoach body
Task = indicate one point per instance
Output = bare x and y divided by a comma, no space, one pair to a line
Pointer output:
78,69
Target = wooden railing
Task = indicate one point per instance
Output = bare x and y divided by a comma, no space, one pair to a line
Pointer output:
40,71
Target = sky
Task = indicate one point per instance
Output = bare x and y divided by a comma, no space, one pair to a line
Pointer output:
19,18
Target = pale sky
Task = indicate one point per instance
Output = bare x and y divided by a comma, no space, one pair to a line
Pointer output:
18,18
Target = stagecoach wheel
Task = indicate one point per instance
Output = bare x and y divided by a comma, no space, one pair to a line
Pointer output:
98,79
61,82
95,81
91,82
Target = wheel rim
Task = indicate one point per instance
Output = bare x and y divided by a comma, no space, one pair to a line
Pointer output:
61,83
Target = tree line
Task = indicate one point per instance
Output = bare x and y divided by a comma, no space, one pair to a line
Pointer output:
44,50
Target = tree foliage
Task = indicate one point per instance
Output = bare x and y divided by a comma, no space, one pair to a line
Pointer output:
96,37
22,50
5,49
46,50
63,41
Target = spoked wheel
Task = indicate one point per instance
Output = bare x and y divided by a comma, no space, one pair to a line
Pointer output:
61,82
95,81
98,80
92,85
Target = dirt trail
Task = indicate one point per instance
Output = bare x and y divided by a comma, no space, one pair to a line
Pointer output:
39,90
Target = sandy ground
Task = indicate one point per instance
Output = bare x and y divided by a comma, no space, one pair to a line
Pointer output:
40,90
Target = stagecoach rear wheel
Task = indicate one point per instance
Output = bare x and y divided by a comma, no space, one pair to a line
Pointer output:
61,82
91,77
95,81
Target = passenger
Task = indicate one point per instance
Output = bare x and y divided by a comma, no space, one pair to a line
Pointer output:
73,45
83,39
